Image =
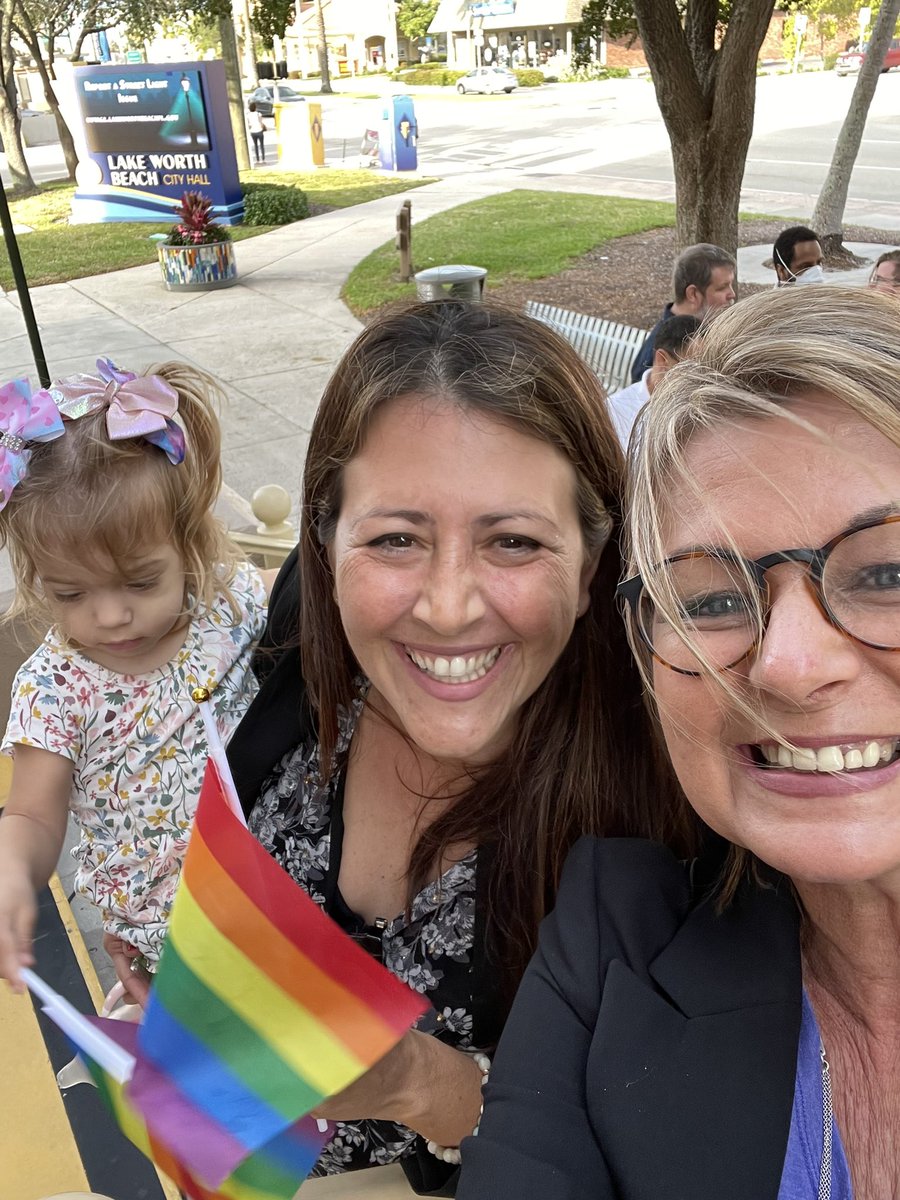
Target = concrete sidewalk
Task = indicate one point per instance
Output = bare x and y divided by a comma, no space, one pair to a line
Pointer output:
271,341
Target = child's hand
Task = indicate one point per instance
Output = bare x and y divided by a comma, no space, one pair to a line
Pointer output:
18,912
136,982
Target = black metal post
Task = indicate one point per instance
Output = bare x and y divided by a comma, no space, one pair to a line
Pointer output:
15,262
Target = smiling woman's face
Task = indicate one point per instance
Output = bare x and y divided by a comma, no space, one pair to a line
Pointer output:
774,486
459,569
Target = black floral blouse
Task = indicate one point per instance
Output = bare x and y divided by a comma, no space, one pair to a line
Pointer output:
299,820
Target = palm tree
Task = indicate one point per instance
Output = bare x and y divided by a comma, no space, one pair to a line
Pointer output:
322,47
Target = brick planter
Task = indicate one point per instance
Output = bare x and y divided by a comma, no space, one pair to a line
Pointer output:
198,268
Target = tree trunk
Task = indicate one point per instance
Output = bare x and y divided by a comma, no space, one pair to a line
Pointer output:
322,47
249,45
27,32
235,99
706,90
10,123
708,174
828,218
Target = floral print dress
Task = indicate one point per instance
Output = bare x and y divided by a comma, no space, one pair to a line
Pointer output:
138,752
436,949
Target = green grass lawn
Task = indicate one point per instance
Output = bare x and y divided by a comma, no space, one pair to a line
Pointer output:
516,235
57,251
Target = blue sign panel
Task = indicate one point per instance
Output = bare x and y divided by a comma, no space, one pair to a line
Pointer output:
150,134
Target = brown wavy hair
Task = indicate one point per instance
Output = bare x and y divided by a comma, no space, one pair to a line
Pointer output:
584,758
85,496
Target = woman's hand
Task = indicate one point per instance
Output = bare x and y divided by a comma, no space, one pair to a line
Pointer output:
420,1083
135,981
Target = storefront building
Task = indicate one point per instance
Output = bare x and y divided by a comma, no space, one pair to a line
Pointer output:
515,33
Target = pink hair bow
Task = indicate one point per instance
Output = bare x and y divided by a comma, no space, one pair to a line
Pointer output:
25,419
137,406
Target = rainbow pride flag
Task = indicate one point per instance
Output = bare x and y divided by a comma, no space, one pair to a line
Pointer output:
272,1173
261,1007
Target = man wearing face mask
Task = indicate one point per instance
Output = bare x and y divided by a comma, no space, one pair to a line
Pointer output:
797,257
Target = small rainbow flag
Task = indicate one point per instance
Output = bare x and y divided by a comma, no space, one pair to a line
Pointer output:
261,1007
272,1173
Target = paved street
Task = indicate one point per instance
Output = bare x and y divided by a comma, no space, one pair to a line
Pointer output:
610,138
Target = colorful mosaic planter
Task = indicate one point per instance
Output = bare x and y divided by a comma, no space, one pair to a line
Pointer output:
198,268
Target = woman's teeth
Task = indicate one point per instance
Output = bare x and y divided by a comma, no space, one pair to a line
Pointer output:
458,669
831,758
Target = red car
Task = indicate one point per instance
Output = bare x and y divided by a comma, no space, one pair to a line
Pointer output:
851,60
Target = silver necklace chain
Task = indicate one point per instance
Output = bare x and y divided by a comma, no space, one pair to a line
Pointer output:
827,1129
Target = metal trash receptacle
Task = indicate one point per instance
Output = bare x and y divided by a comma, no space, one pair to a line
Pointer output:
456,280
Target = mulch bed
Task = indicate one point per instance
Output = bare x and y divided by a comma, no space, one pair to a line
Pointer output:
629,278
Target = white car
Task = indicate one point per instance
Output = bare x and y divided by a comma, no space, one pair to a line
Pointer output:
487,80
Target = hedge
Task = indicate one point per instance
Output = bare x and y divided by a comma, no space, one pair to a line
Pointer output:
429,74
529,77
273,204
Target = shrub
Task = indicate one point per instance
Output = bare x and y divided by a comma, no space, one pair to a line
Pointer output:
273,204
428,73
830,60
196,226
591,71
529,77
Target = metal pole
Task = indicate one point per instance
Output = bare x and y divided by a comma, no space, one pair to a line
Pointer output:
18,271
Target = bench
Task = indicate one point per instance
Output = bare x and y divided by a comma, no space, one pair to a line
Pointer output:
607,347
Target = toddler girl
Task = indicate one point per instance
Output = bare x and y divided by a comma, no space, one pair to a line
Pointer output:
106,506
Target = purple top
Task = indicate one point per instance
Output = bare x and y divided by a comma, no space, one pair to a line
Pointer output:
803,1160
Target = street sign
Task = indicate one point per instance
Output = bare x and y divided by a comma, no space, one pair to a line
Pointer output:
865,17
134,56
800,22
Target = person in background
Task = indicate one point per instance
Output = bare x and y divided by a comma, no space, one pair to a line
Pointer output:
672,339
797,257
729,1026
885,275
702,280
461,706
257,131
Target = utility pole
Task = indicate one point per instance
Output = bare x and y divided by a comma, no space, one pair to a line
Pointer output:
235,99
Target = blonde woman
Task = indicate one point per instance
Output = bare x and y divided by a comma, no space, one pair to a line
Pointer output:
730,1026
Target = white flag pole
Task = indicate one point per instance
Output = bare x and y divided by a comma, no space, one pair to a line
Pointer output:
101,1048
217,751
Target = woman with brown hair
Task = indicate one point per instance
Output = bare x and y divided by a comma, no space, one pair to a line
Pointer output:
461,705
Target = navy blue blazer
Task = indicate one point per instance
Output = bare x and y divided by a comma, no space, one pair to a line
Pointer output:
651,1051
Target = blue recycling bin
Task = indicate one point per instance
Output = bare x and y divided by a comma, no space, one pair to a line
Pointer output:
398,134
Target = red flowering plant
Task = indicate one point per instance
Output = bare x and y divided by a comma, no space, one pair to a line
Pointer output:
196,226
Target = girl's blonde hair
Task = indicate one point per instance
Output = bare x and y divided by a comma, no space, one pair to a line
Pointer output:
749,364
86,496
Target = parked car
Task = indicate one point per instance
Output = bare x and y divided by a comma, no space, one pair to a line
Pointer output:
850,61
266,95
487,80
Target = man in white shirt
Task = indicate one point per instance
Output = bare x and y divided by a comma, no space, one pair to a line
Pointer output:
669,345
